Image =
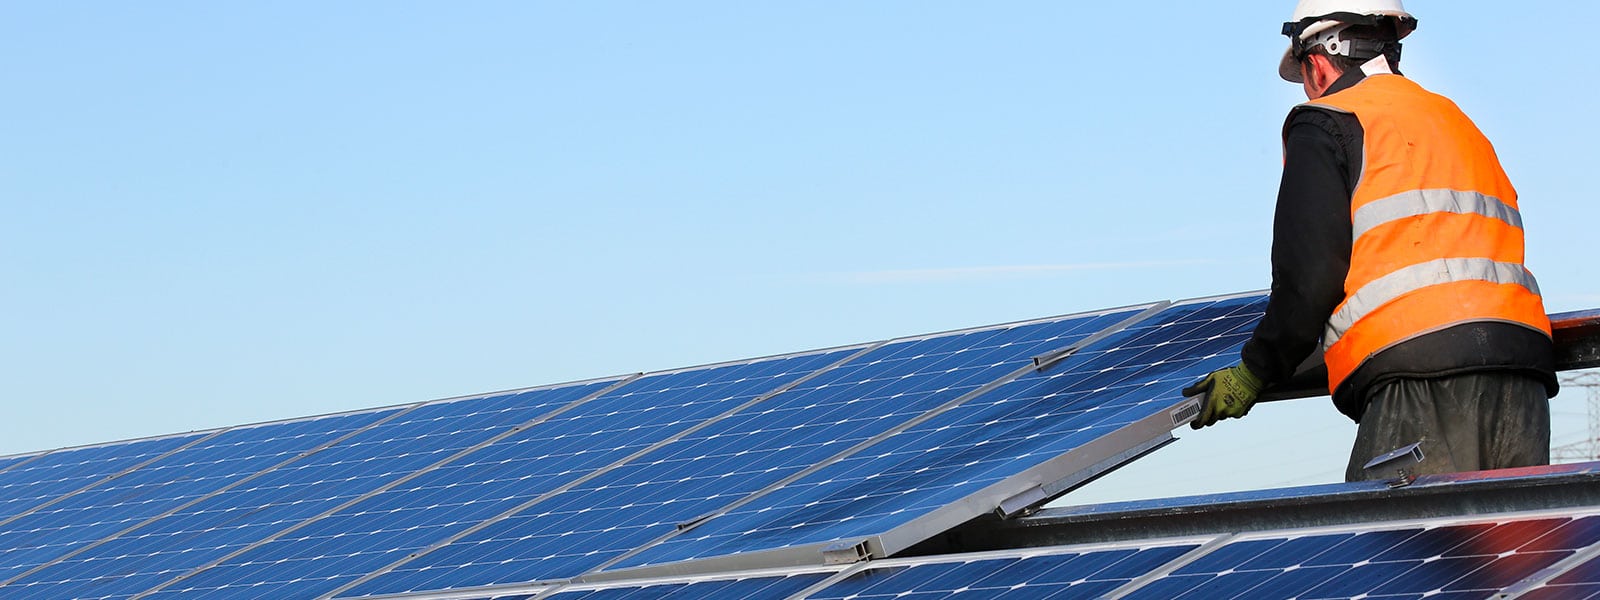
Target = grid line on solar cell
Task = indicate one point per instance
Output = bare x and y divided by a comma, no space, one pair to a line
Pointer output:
356,539
294,455
177,543
543,417
1471,557
867,349
933,356
1125,382
100,478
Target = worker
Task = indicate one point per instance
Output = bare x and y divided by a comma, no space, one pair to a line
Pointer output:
1398,245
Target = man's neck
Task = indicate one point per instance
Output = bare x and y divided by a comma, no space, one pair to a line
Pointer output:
1376,66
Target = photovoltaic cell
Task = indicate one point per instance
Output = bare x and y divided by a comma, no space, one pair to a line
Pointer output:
635,503
180,477
64,471
1066,575
1129,376
1474,560
175,544
386,527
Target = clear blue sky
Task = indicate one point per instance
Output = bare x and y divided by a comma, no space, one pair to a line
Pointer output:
222,213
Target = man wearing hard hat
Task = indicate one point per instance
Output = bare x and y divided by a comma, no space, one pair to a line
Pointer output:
1398,245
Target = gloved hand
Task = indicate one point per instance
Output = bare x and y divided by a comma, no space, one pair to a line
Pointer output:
1229,394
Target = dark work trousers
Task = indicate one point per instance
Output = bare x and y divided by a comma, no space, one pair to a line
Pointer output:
1467,422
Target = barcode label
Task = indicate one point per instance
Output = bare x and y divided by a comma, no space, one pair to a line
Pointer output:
1186,413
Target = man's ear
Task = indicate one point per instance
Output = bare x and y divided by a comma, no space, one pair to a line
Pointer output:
1319,74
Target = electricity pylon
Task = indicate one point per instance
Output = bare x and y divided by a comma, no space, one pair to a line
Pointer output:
1589,448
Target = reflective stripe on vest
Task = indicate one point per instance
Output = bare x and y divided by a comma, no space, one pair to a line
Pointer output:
1415,277
1421,202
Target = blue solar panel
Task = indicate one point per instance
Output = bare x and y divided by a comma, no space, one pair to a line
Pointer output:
1581,582
64,471
1086,574
1464,560
739,455
175,544
776,587
12,461
386,527
166,484
1578,583
1133,375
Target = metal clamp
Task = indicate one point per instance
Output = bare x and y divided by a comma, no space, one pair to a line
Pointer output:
1400,462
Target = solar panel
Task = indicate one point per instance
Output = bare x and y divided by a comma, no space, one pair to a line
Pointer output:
173,480
768,586
1579,583
739,455
924,480
167,547
332,550
1052,573
12,461
51,477
1439,559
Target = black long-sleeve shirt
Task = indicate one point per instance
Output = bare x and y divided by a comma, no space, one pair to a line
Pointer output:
1311,247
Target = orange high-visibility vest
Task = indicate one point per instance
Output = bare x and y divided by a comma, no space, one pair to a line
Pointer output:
1437,234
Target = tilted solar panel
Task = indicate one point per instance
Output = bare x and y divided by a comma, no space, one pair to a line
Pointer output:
957,465
537,460
162,549
9,462
166,484
741,454
49,478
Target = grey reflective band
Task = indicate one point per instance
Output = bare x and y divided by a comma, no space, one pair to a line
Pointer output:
1421,202
1386,289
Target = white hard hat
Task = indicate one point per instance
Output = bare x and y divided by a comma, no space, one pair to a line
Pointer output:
1318,23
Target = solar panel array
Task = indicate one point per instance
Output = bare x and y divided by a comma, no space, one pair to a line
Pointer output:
801,459
1454,559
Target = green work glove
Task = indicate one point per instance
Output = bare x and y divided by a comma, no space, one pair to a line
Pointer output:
1228,394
